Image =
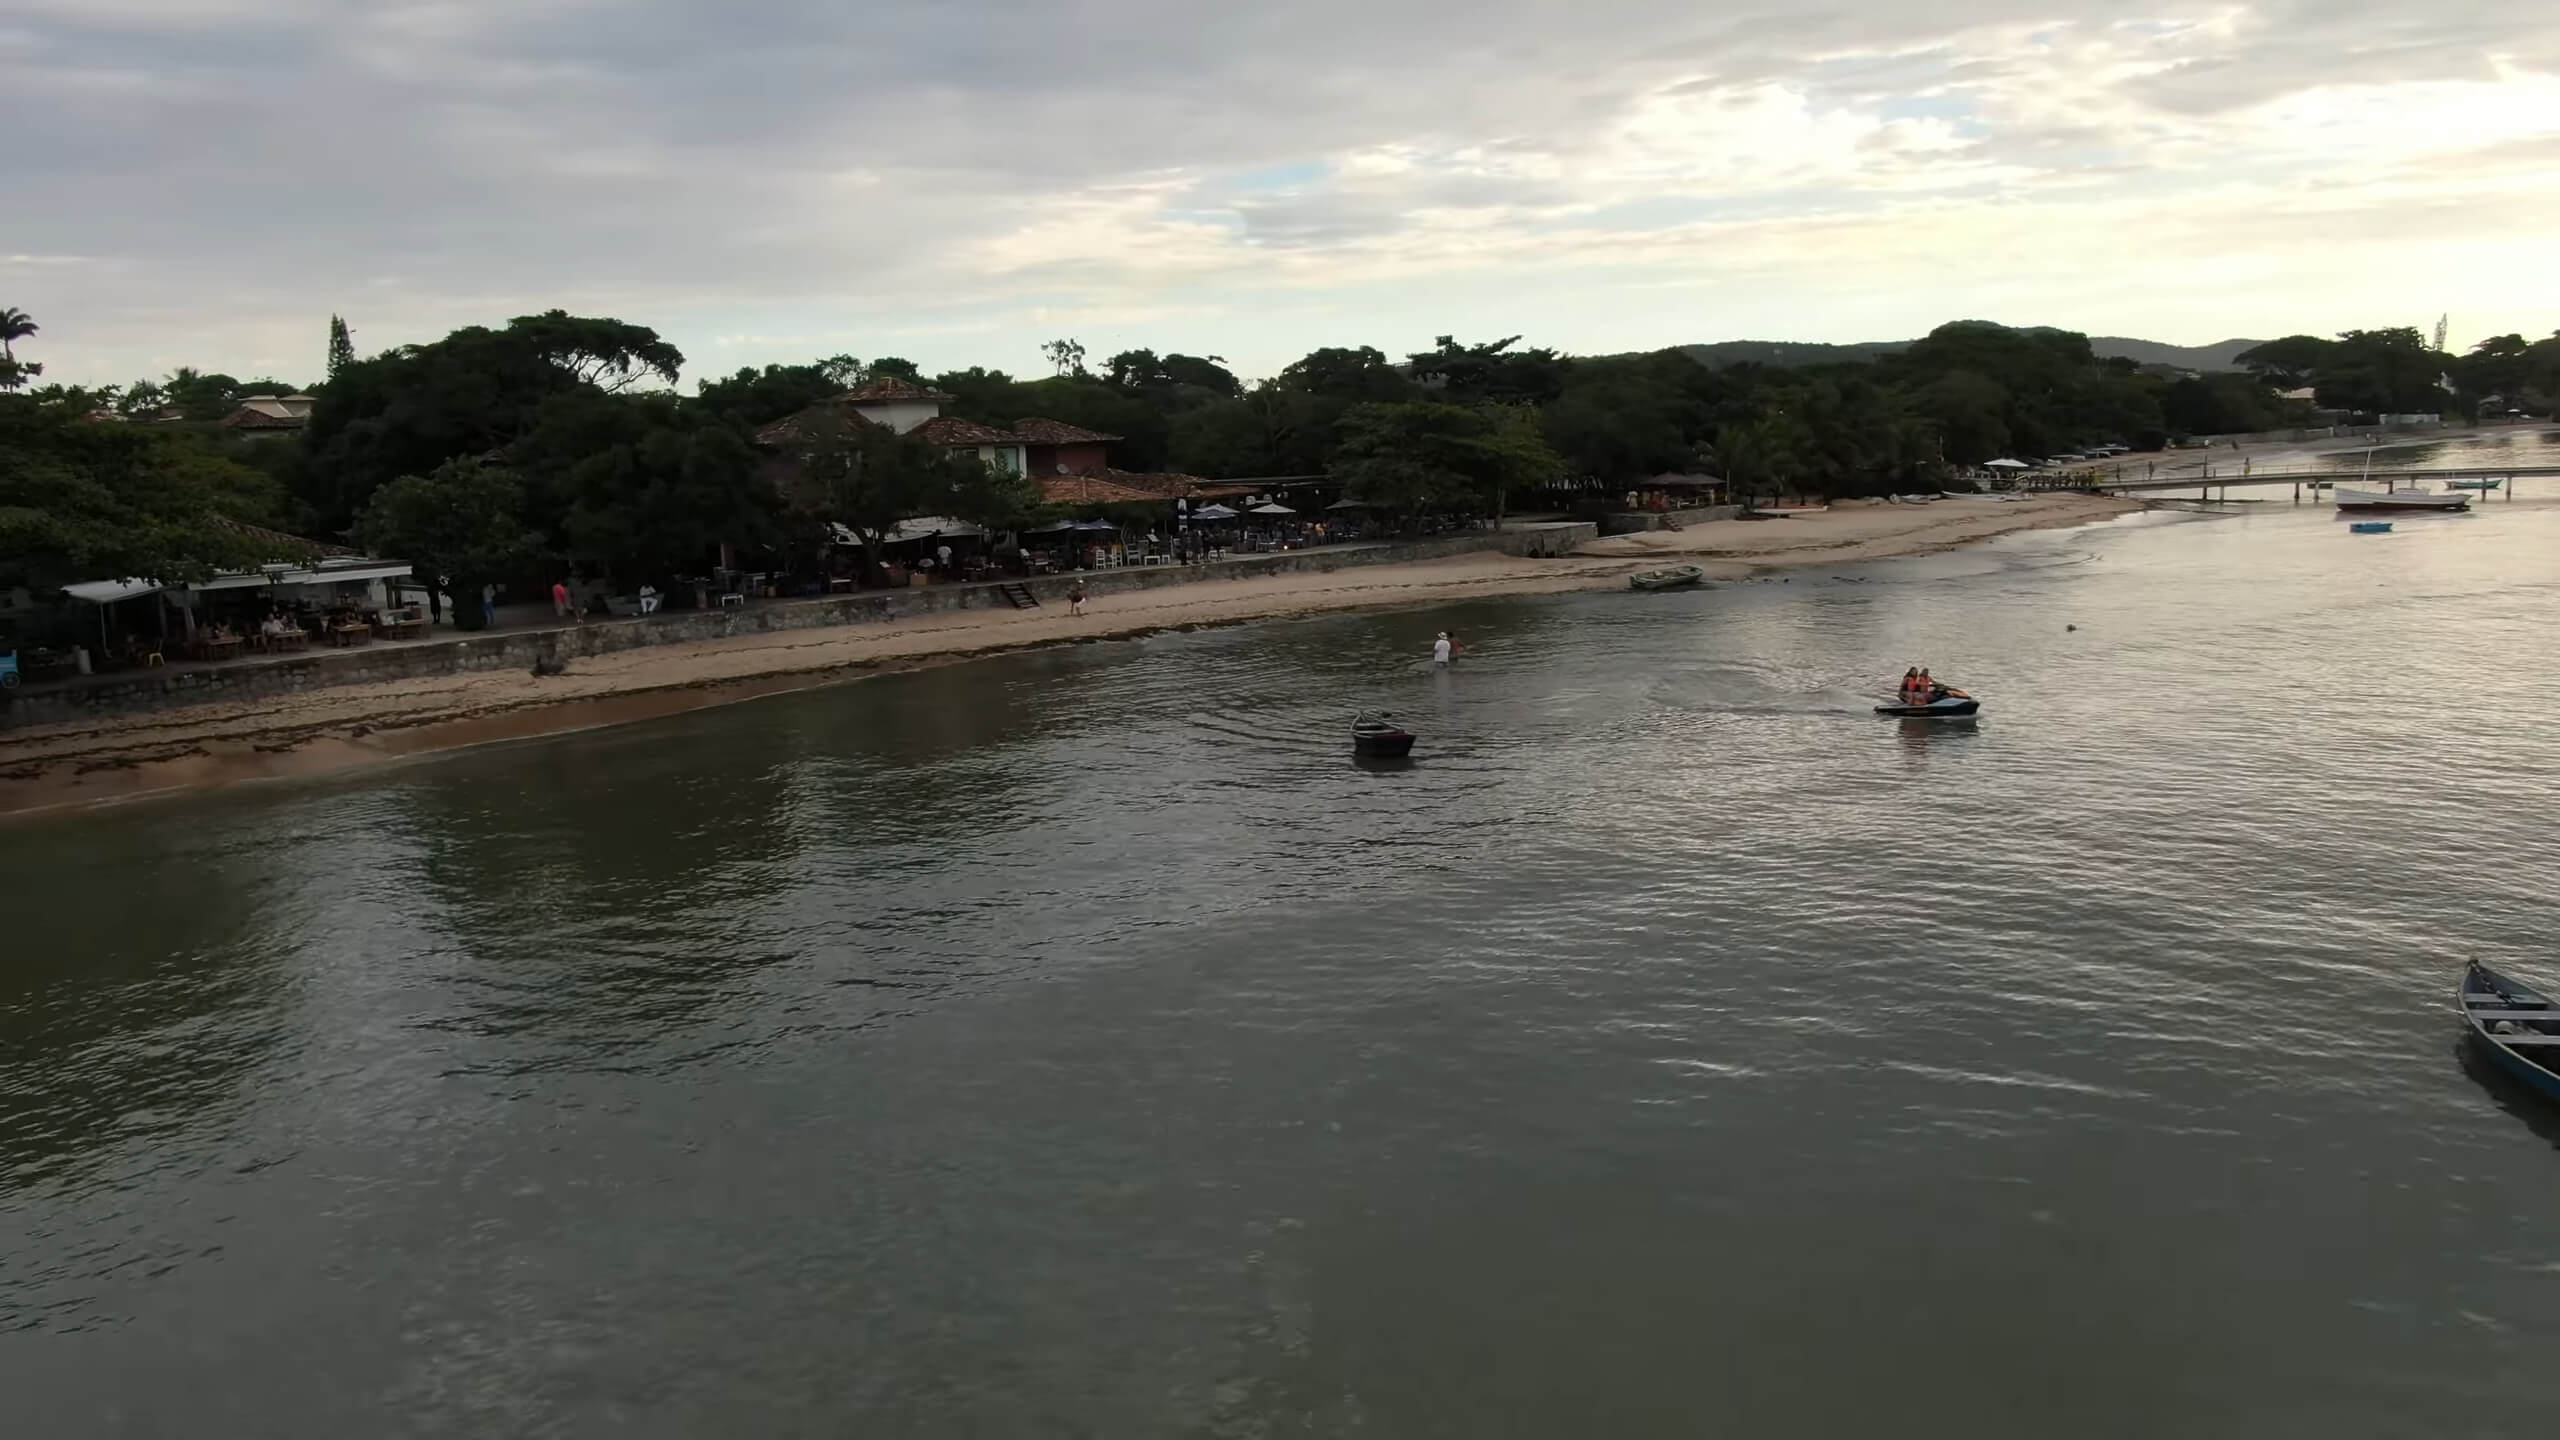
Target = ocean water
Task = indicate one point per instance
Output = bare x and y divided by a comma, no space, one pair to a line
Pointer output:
1080,1044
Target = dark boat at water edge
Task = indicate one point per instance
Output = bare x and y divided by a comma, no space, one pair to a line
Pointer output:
1379,737
2513,1026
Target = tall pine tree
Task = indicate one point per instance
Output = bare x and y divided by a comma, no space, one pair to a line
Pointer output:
342,345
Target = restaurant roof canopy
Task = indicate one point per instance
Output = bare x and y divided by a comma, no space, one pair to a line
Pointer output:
108,592
342,571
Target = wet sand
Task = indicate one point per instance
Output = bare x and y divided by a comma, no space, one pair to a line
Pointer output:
324,731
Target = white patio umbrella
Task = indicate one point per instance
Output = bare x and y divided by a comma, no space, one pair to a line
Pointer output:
1213,512
1273,508
2004,464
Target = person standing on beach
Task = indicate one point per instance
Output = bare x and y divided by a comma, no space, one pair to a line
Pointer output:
560,599
1442,648
1075,598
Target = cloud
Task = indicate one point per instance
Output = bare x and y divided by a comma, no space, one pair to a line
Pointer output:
778,178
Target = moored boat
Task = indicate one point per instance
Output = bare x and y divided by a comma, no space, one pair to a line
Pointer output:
1667,579
2370,527
2350,498
2473,484
2514,1026
1379,737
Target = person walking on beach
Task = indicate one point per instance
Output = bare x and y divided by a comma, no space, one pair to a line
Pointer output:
560,599
1075,598
1442,647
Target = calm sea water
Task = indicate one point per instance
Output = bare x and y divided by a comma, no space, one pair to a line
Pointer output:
1078,1044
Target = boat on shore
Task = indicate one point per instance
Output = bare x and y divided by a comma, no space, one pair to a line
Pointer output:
1949,705
2482,485
1667,579
2513,1026
2370,527
1376,737
2349,498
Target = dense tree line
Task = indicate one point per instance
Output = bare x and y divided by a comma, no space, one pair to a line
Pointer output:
563,441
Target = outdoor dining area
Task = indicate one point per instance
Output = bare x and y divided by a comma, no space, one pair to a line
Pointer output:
107,625
932,550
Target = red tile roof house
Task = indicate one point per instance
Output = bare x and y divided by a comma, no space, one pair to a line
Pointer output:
1053,452
267,415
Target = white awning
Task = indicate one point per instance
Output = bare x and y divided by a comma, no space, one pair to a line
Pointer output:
108,592
322,575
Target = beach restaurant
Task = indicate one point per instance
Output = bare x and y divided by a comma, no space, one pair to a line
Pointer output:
340,597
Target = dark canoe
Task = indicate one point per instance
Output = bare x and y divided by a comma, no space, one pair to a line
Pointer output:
1381,738
2514,1026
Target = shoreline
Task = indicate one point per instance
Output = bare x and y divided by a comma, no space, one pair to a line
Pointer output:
77,764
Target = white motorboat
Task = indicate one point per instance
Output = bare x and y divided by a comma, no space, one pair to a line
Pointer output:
2347,497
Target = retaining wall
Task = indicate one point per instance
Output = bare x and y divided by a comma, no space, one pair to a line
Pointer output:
453,653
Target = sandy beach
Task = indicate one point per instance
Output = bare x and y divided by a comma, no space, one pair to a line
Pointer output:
323,731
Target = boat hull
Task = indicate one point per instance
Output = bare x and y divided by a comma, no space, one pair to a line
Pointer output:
1667,579
2484,989
2411,500
1949,709
1394,746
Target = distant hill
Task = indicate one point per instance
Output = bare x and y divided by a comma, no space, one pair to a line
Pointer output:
1794,354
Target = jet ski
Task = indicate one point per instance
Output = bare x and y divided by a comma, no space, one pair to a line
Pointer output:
1945,704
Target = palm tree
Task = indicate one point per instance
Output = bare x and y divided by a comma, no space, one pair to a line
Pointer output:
14,327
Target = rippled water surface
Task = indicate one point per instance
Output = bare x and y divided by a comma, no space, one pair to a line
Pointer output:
1079,1044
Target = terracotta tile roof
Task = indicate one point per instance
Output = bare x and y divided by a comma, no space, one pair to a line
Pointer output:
1164,486
284,544
268,412
952,430
888,388
789,428
1037,431
1094,490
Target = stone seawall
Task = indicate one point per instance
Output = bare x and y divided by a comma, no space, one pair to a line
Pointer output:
450,653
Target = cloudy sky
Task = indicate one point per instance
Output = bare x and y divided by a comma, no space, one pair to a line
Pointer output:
204,181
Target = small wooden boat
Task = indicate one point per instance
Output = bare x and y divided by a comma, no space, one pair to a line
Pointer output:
2352,499
2370,527
1380,738
1670,579
1949,705
2473,484
2514,1026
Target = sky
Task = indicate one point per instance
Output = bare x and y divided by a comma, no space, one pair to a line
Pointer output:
204,182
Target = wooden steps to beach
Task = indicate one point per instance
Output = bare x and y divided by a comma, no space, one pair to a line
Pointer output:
1019,596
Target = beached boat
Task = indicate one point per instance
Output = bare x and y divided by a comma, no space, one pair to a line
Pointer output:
2348,498
2473,484
2370,527
2514,1026
1950,705
1380,738
1670,579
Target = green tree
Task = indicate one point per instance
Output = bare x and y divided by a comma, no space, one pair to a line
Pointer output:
84,501
342,345
460,528
1065,357
15,325
760,397
867,478
407,411
1425,457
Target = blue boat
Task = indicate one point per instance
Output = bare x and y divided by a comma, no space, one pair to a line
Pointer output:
2473,484
2514,1027
2370,527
